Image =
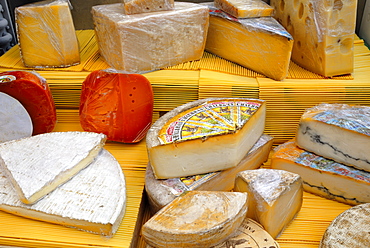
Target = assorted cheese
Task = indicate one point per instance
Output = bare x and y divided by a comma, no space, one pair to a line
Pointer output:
244,8
143,6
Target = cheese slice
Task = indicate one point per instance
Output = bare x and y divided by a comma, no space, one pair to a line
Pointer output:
337,131
150,41
275,197
15,122
160,192
197,219
94,200
323,33
349,229
143,6
260,44
322,176
244,8
37,165
204,136
46,34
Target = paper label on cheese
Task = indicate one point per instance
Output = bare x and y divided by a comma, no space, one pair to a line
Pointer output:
7,78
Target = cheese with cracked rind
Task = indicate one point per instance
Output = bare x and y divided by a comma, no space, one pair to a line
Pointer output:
244,8
144,6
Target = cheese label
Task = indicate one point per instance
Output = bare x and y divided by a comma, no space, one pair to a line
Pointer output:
7,78
209,119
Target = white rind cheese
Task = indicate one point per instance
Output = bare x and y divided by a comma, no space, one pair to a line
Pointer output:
94,200
37,165
197,219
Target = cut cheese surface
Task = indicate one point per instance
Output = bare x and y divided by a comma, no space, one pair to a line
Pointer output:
150,41
244,8
162,191
37,165
143,6
197,219
260,44
15,122
322,176
337,131
46,34
94,200
323,33
275,196
204,136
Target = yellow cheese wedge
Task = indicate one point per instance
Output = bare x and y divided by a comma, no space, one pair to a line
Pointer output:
244,8
323,33
46,34
143,6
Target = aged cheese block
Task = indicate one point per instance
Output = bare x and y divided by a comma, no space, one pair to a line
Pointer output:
46,34
33,92
204,136
350,229
143,6
323,176
260,44
37,165
150,41
244,8
15,122
94,200
323,33
275,197
162,191
197,219
337,131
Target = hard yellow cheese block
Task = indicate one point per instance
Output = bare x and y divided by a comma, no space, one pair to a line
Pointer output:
323,33
244,8
143,6
46,34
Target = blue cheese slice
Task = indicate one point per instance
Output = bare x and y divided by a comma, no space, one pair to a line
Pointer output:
37,165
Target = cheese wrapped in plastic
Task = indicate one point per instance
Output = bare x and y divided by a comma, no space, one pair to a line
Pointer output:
144,6
47,35
244,8
150,41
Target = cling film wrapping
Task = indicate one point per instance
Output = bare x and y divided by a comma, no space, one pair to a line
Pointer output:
145,6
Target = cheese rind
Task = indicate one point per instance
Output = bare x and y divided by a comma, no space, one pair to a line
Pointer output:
244,8
144,6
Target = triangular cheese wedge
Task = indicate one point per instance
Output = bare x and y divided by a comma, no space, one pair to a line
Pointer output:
38,164
94,200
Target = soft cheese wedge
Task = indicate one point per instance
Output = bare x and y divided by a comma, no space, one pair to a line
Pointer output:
160,192
144,6
275,197
244,8
94,200
37,165
197,219
204,136
322,176
337,131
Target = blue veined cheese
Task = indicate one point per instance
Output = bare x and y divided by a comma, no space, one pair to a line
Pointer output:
94,200
144,6
37,165
322,176
339,132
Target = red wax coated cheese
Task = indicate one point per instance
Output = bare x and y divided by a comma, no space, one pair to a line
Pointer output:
120,105
33,92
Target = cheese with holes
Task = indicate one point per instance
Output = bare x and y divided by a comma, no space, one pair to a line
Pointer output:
47,35
197,219
160,192
349,229
275,197
322,176
244,8
204,136
37,165
323,33
337,131
150,41
143,6
260,44
94,200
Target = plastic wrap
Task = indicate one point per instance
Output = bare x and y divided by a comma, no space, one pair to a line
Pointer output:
46,34
244,8
150,41
144,6
323,33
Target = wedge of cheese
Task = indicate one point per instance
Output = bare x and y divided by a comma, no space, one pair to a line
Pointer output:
144,6
37,165
244,8
46,34
337,131
204,136
323,33
275,197
160,192
150,41
197,219
322,176
94,200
